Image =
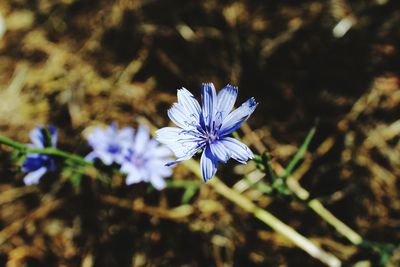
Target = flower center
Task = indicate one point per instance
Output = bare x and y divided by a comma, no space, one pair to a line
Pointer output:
212,137
113,148
138,161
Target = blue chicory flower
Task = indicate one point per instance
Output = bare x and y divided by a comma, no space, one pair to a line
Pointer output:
109,144
37,164
146,160
207,128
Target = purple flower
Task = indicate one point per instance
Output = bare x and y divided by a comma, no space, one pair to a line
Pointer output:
207,128
37,164
146,160
109,144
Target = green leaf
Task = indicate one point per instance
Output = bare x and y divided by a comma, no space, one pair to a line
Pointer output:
75,180
191,188
299,154
189,194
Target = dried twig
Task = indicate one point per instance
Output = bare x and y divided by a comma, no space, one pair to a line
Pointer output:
48,205
177,214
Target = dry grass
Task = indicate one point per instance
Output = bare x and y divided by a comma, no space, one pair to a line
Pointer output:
78,63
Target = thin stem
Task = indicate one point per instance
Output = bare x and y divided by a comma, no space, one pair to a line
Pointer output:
303,194
299,154
342,228
182,183
45,151
266,217
14,144
59,153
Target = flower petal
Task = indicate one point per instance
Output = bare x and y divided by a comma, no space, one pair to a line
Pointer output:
209,103
164,171
142,139
97,138
182,117
37,138
226,100
167,135
133,174
208,164
219,151
91,156
34,177
186,154
182,143
133,178
162,152
125,134
157,181
235,119
237,149
189,102
145,173
105,157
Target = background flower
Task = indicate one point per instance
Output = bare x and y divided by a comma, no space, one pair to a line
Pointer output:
36,164
109,144
146,160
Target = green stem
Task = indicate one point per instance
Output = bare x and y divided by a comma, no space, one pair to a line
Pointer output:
182,183
299,154
14,144
45,151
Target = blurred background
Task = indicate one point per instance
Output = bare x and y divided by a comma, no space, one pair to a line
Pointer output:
78,63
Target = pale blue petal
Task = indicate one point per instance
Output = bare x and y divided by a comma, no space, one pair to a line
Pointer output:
127,167
125,134
163,170
145,174
184,153
235,119
133,174
186,113
110,144
237,149
168,135
226,100
97,138
142,139
105,157
181,117
133,178
162,152
208,164
189,102
182,143
157,181
34,177
149,151
37,138
219,151
209,103
91,156
119,158
157,165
